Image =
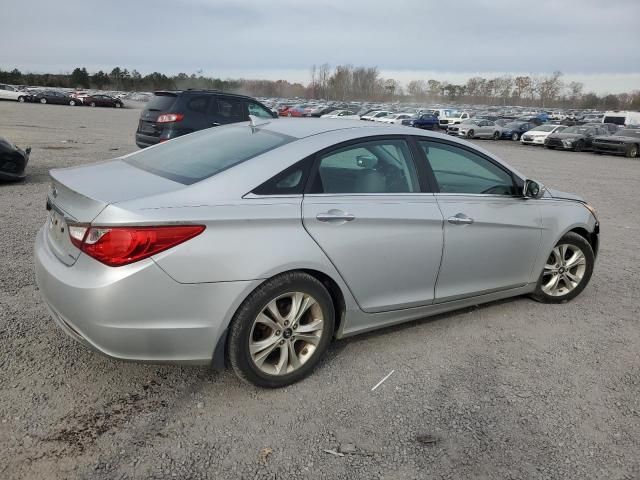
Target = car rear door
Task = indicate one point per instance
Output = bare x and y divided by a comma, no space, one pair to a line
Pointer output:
492,234
367,207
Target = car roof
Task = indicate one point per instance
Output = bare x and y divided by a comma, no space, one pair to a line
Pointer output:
201,91
301,128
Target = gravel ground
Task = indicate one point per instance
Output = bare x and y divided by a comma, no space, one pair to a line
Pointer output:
513,389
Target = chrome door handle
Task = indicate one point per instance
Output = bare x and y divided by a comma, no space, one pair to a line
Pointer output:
460,219
335,216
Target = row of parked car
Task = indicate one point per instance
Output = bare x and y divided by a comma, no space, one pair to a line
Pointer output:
59,97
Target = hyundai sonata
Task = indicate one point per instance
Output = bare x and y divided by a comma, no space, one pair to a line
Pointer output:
254,245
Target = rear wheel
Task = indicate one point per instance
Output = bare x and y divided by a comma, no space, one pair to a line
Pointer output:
631,151
567,270
43,100
515,136
496,135
72,103
21,99
281,331
118,105
92,104
470,134
579,146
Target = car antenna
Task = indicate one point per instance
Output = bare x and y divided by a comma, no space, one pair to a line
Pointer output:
255,122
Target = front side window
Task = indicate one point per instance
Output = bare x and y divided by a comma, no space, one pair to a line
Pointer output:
458,170
227,110
258,111
377,166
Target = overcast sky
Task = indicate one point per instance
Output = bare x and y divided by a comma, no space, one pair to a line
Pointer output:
595,41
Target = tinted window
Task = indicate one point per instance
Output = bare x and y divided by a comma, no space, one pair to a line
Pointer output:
203,154
227,110
258,111
382,166
288,182
160,103
616,120
198,104
458,170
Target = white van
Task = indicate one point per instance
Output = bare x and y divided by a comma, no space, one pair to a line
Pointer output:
622,118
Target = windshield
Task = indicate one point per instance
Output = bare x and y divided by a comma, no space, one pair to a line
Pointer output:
544,128
628,132
576,129
451,113
195,157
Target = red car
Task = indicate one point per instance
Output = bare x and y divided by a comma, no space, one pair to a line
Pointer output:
102,101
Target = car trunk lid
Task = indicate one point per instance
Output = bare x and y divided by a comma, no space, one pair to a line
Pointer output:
162,102
78,195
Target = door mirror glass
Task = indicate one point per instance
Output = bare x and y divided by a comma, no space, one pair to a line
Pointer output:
533,189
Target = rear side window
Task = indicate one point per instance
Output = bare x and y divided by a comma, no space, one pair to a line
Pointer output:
227,110
616,120
290,181
194,157
161,103
198,104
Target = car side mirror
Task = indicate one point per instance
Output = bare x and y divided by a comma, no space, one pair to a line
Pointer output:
366,161
533,189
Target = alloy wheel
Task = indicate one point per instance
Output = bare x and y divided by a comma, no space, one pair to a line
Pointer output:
564,270
285,333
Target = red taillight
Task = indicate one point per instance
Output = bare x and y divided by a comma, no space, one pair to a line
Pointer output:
170,117
117,246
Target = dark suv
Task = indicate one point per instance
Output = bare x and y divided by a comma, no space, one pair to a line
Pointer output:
172,113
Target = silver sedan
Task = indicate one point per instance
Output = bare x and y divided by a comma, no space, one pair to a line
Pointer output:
254,245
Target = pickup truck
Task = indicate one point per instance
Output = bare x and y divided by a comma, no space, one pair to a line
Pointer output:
453,118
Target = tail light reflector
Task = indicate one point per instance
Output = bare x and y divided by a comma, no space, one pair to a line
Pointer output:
117,246
170,117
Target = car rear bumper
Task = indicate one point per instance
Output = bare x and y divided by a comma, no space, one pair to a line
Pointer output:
616,149
143,141
136,312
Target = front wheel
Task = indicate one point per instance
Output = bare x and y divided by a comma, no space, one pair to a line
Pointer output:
43,100
567,270
515,137
92,104
72,103
281,331
21,99
579,146
470,134
631,151
496,135
118,105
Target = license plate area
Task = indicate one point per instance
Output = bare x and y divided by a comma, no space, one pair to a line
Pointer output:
58,238
57,227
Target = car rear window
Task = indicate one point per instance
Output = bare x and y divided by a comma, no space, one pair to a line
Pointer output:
192,158
160,103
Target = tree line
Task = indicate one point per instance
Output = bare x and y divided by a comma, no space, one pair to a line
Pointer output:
346,82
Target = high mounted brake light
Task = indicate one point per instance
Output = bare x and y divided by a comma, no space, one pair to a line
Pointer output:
117,246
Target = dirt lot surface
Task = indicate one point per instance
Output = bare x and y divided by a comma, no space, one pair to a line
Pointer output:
514,389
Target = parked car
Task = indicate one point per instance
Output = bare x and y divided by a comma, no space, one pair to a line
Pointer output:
514,130
53,96
172,113
256,245
476,128
372,116
622,118
319,111
576,138
343,114
9,92
624,142
395,118
426,121
102,101
536,135
13,161
452,118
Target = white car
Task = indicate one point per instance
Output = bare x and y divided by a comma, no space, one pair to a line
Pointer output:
395,118
343,114
375,115
452,118
536,136
7,92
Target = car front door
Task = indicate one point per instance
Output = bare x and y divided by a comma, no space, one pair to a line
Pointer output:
492,234
365,208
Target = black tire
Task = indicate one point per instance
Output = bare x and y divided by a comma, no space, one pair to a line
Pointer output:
92,104
579,146
515,136
470,134
570,238
240,328
496,135
21,99
631,151
118,105
72,103
43,100
549,147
